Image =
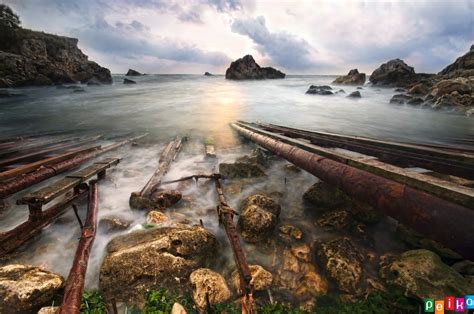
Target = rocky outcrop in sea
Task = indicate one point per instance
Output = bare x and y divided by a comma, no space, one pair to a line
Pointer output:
247,69
132,72
32,58
352,78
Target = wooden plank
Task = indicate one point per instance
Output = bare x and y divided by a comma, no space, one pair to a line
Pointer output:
41,163
441,188
94,169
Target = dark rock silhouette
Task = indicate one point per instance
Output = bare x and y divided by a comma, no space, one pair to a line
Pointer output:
132,72
128,81
208,74
393,73
247,69
352,78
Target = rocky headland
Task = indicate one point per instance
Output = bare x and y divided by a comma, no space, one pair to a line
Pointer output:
31,58
247,69
352,78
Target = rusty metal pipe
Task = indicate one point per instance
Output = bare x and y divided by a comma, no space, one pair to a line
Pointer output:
76,279
437,219
13,186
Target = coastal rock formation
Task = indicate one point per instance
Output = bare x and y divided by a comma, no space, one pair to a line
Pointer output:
132,72
261,278
258,217
343,263
462,67
37,58
150,259
352,78
324,196
159,200
247,69
208,286
208,74
246,166
320,90
393,73
113,223
355,94
25,289
422,274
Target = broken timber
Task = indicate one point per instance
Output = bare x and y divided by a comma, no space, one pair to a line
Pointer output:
167,156
39,218
76,279
12,186
447,222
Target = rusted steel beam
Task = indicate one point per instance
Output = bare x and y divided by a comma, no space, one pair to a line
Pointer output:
76,279
13,186
14,238
444,189
435,218
49,150
441,160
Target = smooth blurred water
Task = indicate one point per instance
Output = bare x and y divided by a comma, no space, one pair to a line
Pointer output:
191,104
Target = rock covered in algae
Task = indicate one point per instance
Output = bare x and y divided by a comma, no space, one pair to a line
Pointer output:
422,274
324,196
258,217
153,259
159,200
25,289
261,278
207,285
342,262
110,224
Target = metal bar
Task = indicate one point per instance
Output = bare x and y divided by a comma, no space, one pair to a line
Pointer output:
435,218
447,190
10,187
76,279
443,161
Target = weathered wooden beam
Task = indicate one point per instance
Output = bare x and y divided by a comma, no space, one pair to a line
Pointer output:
443,221
76,279
443,189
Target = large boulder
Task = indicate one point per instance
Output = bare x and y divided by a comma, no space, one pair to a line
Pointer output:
258,217
25,289
422,274
208,286
324,196
247,69
342,262
352,78
393,73
153,259
320,90
132,72
261,278
37,58
462,67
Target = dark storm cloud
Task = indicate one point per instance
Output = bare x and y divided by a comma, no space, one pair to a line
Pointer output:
129,40
284,49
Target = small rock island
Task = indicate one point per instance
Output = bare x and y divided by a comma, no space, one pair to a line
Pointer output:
247,69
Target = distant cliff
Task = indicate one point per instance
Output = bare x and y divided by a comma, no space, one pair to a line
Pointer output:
35,58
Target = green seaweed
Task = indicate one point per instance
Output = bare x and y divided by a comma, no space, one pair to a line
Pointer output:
277,308
91,303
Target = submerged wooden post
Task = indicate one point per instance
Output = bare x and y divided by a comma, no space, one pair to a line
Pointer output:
76,279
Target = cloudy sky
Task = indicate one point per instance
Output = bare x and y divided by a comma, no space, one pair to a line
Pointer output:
299,37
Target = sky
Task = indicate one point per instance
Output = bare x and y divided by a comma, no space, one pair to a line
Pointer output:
298,37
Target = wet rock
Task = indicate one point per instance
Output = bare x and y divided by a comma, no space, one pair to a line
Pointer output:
208,74
258,217
49,310
94,82
155,217
292,168
335,220
289,232
324,196
247,69
165,199
399,90
152,259
417,241
132,72
465,268
258,157
25,289
355,94
419,89
128,81
352,78
393,73
462,67
320,90
341,91
302,252
261,278
460,85
208,285
241,170
364,212
400,99
113,224
178,309
422,274
343,263
415,101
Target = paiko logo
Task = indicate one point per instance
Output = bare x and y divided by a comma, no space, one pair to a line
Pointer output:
449,304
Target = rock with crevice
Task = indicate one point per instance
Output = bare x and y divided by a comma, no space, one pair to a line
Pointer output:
208,286
247,69
335,220
352,78
462,67
258,217
25,288
422,274
153,259
393,73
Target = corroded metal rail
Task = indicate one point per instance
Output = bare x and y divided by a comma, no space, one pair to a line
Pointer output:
76,279
436,218
43,173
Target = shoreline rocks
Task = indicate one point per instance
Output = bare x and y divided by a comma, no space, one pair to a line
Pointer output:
352,78
320,90
208,286
128,81
247,69
394,73
258,217
132,72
